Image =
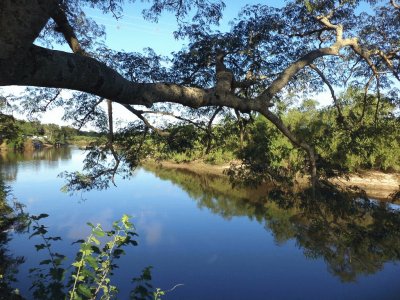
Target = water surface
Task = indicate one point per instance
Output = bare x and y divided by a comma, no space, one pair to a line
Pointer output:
220,243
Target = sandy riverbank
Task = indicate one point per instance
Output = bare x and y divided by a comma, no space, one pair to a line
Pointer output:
376,184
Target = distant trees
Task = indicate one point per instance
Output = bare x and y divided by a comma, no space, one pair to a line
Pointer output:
366,138
14,133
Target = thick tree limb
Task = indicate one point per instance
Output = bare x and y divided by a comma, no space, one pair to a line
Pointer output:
50,68
283,79
21,22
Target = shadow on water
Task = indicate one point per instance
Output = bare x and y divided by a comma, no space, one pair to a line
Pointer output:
354,235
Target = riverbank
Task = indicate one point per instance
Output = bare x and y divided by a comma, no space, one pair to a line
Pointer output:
376,184
29,144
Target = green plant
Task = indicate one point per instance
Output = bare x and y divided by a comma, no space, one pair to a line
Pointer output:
47,283
93,265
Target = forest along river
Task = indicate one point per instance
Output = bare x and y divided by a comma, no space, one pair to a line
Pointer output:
218,242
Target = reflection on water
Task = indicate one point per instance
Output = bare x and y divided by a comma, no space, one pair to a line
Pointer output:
353,236
11,219
50,157
222,243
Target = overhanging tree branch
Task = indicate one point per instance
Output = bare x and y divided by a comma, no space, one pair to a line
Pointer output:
139,114
51,68
63,26
332,91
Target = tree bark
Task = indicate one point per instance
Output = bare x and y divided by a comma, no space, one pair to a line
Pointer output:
50,68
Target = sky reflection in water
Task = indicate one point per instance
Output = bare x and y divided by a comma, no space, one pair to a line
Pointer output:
221,244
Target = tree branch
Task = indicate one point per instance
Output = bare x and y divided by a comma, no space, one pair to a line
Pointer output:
286,75
63,26
325,80
394,4
50,68
139,114
164,113
295,141
366,88
82,121
209,129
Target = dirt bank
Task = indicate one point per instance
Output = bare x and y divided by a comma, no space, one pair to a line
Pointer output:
376,184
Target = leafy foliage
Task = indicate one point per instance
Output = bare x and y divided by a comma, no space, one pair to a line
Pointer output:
94,265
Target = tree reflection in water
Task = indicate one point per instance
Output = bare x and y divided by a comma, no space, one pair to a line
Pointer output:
50,156
351,233
12,219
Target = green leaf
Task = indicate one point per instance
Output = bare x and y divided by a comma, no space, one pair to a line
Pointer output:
84,290
87,273
77,264
94,240
125,221
92,262
62,256
75,296
64,189
58,261
90,224
86,246
57,273
98,232
133,243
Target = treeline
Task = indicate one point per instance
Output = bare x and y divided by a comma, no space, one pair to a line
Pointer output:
360,132
19,134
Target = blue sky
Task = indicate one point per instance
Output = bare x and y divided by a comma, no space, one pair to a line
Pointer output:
133,33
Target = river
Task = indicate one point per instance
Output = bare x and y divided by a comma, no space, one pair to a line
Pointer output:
218,242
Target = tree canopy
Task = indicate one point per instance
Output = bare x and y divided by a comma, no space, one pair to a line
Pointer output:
269,56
